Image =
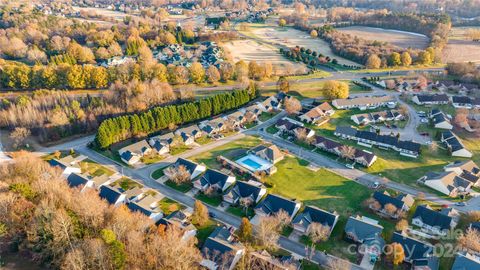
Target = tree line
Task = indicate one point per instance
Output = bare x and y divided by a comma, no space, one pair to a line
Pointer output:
120,128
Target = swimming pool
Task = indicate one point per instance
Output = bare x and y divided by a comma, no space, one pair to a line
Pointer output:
254,163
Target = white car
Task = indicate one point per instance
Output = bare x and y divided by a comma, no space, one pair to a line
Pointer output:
350,166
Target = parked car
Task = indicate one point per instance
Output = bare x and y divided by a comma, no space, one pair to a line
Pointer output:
461,204
375,185
350,166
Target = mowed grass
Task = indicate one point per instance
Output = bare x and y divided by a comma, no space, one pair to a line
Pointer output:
94,169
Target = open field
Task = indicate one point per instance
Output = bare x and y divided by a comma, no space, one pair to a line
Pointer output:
460,48
117,15
398,38
291,37
249,50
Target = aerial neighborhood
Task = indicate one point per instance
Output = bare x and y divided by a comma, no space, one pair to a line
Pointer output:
239,135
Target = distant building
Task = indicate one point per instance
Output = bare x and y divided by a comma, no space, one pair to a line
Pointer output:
132,153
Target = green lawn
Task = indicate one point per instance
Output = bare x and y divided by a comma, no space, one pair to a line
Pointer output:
150,159
272,129
182,187
204,231
168,206
126,183
266,115
203,140
158,173
178,149
227,150
94,169
214,200
240,211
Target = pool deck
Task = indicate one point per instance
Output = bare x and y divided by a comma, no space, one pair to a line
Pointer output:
262,163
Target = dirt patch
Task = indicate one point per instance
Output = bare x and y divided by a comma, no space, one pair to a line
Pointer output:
460,48
292,37
249,50
398,38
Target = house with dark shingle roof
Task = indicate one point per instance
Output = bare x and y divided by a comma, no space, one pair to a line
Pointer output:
422,99
440,120
193,168
402,203
312,214
132,153
67,164
147,204
221,250
251,191
361,156
270,153
448,183
112,195
272,204
76,180
364,102
466,261
214,179
462,102
367,232
432,221
413,249
181,220
318,115
454,145
270,104
191,131
465,169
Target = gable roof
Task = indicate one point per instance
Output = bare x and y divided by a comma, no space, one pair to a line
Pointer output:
138,148
244,189
466,261
384,198
359,101
212,177
314,214
433,98
289,125
362,228
189,165
75,180
271,151
274,203
467,165
432,217
413,248
319,110
110,194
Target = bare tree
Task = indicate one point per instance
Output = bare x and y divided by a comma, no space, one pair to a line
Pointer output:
178,174
470,240
318,232
246,203
292,105
390,209
347,152
339,264
268,231
18,135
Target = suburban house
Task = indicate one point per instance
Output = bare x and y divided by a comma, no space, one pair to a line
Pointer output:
101,180
67,164
454,145
214,179
402,203
162,143
270,104
270,153
466,261
134,152
434,99
193,168
191,131
221,250
318,115
367,232
465,102
250,193
377,117
112,195
180,219
274,203
360,156
147,204
415,251
254,109
365,102
312,214
448,183
432,221
236,118
369,138
293,127
466,169
440,120
77,180
213,126
263,260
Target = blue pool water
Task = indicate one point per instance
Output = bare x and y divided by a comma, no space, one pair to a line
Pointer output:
251,163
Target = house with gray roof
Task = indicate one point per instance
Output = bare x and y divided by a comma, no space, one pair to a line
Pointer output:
364,102
221,250
466,169
80,181
132,153
440,120
214,179
272,204
427,99
414,250
67,164
466,261
312,214
435,222
112,195
181,220
193,168
448,183
367,232
147,204
251,191
455,145
270,153
402,203
190,131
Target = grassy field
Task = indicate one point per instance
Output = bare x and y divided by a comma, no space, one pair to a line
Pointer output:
203,140
158,173
182,187
397,38
126,183
178,149
168,206
328,191
204,231
94,169
152,158
240,211
214,200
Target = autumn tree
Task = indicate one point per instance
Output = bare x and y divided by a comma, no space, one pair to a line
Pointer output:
390,209
401,225
292,105
335,89
461,117
373,62
318,232
200,213
314,33
470,240
395,59
268,231
245,231
213,75
282,22
395,253
283,84
178,174
18,135
197,73
406,59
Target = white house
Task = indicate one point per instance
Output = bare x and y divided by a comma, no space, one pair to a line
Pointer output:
132,153
193,168
434,222
214,179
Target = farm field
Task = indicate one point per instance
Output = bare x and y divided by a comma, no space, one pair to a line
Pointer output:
398,38
290,37
249,50
459,48
117,15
